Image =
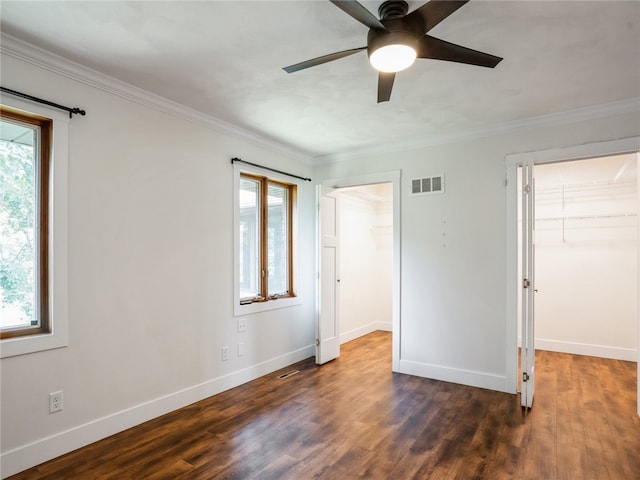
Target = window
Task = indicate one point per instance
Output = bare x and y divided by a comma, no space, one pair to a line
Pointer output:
265,239
25,153
33,227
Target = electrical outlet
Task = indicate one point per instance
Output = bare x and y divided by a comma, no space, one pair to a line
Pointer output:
55,402
240,349
242,325
225,353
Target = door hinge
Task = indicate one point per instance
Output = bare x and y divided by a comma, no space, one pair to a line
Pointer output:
527,188
525,377
317,342
526,283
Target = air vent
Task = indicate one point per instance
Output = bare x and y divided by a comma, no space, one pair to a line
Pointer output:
427,185
288,374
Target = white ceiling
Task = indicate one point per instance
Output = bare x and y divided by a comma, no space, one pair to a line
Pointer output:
225,59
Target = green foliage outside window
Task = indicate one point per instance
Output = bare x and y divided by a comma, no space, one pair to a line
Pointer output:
17,233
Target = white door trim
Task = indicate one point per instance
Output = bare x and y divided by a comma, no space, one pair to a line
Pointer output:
392,177
512,161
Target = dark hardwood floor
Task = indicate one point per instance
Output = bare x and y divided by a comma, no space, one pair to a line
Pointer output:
353,418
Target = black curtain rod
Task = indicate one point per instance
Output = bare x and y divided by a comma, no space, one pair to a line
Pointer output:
235,159
71,111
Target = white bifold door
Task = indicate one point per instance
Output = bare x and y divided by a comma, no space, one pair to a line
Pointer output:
328,323
527,288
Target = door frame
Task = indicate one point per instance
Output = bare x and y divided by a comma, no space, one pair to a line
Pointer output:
392,177
628,145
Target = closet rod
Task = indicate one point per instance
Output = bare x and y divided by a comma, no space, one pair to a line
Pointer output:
235,159
71,110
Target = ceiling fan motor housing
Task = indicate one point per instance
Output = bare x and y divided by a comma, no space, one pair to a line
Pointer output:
380,38
398,31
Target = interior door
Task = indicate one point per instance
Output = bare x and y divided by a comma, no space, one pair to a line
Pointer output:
528,284
328,334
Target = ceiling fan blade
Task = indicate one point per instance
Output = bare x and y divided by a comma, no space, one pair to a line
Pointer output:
320,60
360,13
431,47
385,84
432,13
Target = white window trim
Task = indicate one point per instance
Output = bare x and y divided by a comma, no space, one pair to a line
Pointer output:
256,307
58,245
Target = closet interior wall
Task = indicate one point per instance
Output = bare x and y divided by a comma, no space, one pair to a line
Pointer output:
366,260
586,257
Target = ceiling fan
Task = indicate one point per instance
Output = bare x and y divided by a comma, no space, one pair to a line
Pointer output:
397,39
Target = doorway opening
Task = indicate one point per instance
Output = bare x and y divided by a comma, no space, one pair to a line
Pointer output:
366,260
586,244
586,253
586,257
359,281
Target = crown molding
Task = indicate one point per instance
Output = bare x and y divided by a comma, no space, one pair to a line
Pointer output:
57,64
621,107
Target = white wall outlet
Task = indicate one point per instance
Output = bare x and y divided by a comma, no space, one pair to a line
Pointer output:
240,349
242,325
225,353
55,401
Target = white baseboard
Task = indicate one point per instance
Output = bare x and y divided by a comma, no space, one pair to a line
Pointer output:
603,351
32,454
364,330
472,378
384,326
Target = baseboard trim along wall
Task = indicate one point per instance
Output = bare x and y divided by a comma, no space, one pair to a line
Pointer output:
364,330
603,351
45,449
455,375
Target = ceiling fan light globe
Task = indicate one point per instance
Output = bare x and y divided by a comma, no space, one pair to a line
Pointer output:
392,58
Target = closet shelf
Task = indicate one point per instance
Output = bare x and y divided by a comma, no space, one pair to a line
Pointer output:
586,217
570,186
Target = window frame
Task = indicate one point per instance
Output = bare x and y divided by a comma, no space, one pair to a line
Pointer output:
55,335
42,160
247,305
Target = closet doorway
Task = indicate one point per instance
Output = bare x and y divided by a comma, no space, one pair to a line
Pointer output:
358,288
366,259
586,257
588,222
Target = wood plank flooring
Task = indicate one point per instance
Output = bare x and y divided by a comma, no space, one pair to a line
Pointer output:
354,418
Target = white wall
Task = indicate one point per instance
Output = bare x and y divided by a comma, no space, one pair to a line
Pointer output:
586,264
366,260
150,292
454,323
150,275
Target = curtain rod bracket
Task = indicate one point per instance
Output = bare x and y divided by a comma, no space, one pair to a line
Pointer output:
236,159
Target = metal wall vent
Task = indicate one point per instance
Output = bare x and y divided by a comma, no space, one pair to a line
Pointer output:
427,185
288,374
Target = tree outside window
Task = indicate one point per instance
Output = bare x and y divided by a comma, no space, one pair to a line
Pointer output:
24,191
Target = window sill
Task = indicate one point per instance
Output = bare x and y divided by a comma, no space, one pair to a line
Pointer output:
12,347
257,307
